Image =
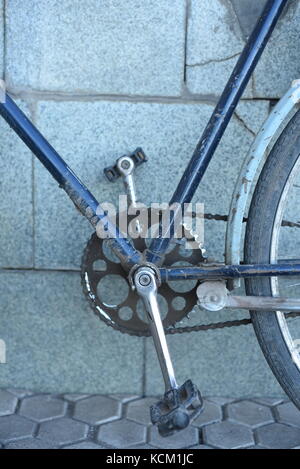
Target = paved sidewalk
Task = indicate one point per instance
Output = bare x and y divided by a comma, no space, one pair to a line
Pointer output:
42,421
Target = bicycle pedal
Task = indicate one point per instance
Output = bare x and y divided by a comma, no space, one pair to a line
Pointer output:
177,409
112,172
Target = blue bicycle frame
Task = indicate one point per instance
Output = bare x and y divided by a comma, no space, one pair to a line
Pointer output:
91,209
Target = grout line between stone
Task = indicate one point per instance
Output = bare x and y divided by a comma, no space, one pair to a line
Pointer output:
243,123
4,40
33,108
185,98
187,10
213,61
231,6
34,269
144,374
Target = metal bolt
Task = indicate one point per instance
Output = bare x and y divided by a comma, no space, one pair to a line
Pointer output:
214,298
145,280
125,164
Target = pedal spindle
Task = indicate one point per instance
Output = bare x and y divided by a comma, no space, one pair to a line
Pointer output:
138,157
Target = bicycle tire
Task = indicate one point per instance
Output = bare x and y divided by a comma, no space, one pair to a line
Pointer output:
271,187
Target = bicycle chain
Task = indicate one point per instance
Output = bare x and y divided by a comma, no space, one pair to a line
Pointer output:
218,217
188,329
218,325
211,326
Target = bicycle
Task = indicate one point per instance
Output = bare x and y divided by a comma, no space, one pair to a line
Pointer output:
150,268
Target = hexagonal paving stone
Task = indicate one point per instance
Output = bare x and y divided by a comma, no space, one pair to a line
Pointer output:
63,431
256,447
278,436
228,435
211,413
19,392
30,443
75,397
221,400
288,413
84,445
42,408
13,427
122,433
201,447
97,409
124,397
139,411
143,446
249,413
8,403
183,439
269,401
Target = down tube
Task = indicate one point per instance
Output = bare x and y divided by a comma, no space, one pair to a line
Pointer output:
219,121
79,194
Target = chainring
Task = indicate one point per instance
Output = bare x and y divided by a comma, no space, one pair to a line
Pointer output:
98,262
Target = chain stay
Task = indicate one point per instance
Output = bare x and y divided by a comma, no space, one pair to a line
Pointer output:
200,327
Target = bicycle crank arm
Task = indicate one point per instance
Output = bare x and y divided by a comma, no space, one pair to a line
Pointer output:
145,283
214,296
124,168
180,405
125,165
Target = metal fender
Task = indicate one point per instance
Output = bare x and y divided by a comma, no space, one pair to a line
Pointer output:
256,156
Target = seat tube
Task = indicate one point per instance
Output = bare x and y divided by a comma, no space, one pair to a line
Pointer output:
218,122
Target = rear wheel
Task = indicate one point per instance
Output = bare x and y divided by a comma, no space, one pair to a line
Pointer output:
272,236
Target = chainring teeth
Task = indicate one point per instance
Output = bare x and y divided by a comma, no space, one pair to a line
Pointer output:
92,278
110,314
